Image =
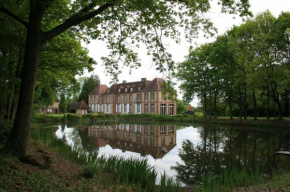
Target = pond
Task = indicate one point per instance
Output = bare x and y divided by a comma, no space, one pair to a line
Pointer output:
185,152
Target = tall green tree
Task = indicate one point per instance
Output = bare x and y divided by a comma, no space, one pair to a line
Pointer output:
245,71
115,21
88,84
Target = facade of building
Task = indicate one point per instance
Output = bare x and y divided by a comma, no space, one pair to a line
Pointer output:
80,108
139,97
53,109
154,140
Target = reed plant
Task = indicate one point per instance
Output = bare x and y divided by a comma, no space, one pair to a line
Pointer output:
230,179
133,171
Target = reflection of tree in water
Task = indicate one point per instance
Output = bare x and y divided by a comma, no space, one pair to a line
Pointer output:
228,148
199,159
87,143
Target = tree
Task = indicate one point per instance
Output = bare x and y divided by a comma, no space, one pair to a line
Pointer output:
249,65
88,84
63,103
180,106
116,21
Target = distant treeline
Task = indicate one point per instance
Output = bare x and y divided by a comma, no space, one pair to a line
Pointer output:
244,72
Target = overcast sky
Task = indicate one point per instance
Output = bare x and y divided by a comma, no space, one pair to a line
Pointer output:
223,22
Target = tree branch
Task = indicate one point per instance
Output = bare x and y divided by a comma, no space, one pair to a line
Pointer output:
75,20
9,13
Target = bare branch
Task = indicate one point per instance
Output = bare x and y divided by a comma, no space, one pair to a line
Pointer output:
75,20
9,13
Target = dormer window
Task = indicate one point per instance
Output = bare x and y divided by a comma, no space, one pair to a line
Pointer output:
108,91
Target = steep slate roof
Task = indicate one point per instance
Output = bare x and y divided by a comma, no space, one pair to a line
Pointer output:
99,89
78,105
156,84
145,85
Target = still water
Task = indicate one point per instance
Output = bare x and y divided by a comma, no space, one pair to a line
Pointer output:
186,152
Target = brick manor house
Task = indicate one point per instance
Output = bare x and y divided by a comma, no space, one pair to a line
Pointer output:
132,97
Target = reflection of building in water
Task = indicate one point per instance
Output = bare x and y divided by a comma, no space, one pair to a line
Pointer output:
156,140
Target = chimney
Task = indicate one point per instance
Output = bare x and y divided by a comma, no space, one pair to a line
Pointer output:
124,81
143,79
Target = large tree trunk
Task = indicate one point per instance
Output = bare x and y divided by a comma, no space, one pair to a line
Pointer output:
16,85
18,139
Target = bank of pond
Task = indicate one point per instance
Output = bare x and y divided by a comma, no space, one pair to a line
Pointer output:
151,118
170,156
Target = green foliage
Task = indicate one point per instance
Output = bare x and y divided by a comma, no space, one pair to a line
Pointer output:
180,106
88,84
244,72
63,103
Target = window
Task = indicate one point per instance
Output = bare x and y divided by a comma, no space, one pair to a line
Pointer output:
146,108
152,108
138,138
163,109
170,129
145,128
125,108
108,99
145,140
162,130
100,108
152,96
95,98
108,91
146,96
125,98
138,128
131,89
101,98
139,88
119,99
118,108
138,108
119,90
126,89
108,108
138,97
131,97
171,109
163,141
152,141
130,127
130,108
131,136
171,140
118,134
152,129
125,135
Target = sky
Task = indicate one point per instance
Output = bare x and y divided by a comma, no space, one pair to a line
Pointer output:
221,21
